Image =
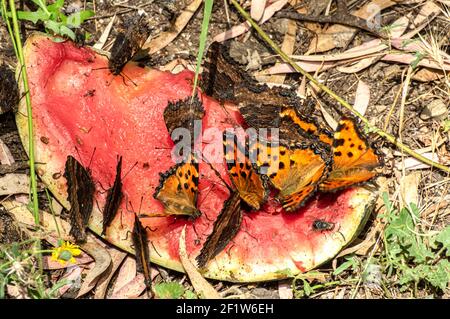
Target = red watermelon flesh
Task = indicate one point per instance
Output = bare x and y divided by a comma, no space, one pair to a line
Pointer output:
79,106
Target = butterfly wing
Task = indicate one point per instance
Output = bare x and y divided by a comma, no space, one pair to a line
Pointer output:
307,125
296,171
183,114
225,227
250,185
113,198
178,190
80,191
353,158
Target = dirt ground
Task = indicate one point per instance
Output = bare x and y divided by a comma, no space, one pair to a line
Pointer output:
405,120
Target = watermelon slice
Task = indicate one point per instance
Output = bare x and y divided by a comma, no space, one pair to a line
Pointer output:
78,105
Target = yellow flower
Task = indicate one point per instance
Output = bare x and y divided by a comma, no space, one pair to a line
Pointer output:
65,252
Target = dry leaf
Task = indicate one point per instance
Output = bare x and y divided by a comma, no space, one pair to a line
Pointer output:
164,38
73,276
200,284
257,9
409,185
362,97
117,258
132,289
430,8
328,118
14,184
244,27
6,157
427,75
127,273
285,289
338,35
102,262
411,163
23,215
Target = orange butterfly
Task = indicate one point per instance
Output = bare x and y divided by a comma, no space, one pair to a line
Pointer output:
296,171
251,186
308,126
178,189
353,158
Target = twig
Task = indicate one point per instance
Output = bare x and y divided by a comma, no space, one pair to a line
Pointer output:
344,103
341,16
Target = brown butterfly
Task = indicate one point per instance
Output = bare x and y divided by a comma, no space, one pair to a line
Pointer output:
183,114
259,105
250,188
81,197
353,158
178,189
113,198
128,43
142,252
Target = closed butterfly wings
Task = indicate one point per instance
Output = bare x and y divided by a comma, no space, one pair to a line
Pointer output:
353,158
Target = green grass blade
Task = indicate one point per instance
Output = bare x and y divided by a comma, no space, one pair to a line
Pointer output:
203,36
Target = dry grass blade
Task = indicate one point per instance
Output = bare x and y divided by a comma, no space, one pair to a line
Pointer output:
102,40
164,38
200,284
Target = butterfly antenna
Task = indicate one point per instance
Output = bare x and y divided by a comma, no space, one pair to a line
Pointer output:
123,75
92,156
129,170
216,172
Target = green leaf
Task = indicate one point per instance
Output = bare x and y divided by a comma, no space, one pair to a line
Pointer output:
32,16
444,238
189,294
56,6
439,275
446,125
65,31
307,288
169,290
52,26
351,262
77,18
41,4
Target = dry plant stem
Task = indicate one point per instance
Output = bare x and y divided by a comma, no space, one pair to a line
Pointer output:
344,103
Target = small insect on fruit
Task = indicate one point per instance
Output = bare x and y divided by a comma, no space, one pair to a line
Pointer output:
321,225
